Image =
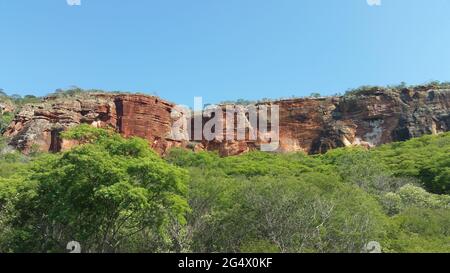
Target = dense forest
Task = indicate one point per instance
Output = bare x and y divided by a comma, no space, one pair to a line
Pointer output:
113,194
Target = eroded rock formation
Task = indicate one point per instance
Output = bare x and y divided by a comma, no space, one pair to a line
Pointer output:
38,126
308,125
6,106
379,117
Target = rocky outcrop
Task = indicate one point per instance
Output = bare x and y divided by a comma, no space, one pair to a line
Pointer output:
376,117
6,106
38,126
148,117
384,116
308,125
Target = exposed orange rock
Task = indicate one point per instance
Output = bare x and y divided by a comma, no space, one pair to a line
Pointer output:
147,117
6,106
307,125
131,115
381,116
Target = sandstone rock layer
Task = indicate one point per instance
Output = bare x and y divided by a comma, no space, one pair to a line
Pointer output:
38,126
307,125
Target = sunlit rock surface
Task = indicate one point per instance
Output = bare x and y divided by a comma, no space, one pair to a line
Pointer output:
310,125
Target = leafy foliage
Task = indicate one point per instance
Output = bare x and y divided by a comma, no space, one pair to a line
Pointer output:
370,89
87,134
116,195
424,158
112,195
5,120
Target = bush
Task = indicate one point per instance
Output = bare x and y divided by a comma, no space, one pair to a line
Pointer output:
111,195
116,195
5,120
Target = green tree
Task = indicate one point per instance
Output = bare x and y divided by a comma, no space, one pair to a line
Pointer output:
111,195
420,230
275,203
5,120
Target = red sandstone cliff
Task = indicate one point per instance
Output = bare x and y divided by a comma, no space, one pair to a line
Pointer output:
131,115
371,119
308,125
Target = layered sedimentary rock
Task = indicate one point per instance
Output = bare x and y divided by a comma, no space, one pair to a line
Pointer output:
39,126
308,125
148,117
377,117
384,116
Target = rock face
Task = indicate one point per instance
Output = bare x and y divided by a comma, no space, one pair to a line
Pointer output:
38,126
307,125
6,106
383,116
147,117
378,117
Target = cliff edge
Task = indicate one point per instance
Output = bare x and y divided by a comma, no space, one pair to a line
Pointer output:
311,125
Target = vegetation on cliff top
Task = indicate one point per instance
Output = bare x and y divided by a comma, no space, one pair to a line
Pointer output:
75,91
116,195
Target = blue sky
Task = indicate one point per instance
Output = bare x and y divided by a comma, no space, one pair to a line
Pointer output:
221,49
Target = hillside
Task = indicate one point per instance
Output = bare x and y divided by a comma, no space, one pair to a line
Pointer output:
113,194
368,117
103,169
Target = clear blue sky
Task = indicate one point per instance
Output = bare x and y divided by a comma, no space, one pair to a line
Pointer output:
221,49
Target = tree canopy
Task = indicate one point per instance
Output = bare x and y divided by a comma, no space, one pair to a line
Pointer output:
113,194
